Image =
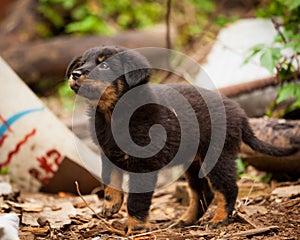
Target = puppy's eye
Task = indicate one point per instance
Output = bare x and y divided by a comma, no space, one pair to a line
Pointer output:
103,66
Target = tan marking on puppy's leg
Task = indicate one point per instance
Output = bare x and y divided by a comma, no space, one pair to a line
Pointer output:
113,195
190,216
136,226
221,214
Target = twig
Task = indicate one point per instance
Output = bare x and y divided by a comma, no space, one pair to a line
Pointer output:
249,193
277,27
296,72
252,232
107,225
168,37
246,219
168,23
147,233
73,235
291,203
155,231
88,206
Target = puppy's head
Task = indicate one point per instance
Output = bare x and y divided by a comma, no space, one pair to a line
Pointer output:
103,74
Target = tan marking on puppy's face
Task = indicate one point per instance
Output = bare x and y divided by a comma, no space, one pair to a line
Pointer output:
101,58
101,94
108,98
120,86
91,89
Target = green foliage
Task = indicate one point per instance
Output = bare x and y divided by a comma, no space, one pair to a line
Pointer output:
242,172
282,56
204,5
95,16
64,90
287,91
240,166
269,56
107,17
4,170
195,17
222,20
66,94
267,178
136,14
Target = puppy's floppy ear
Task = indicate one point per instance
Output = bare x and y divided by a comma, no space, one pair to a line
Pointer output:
136,68
75,63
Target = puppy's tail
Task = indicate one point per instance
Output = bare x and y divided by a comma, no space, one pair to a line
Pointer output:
250,139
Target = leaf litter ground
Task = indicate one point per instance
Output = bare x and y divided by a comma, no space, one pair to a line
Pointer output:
260,213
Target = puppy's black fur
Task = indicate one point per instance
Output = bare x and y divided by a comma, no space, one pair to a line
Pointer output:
113,71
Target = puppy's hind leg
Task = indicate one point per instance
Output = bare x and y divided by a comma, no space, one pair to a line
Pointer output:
200,196
223,181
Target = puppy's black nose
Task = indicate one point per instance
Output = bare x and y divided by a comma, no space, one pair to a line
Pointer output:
76,75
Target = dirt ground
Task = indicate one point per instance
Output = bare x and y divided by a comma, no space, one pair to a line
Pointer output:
263,211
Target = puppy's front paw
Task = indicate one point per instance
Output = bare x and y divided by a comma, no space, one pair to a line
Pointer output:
217,224
189,218
179,223
113,200
136,226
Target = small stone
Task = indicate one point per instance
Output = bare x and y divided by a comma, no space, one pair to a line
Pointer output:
43,221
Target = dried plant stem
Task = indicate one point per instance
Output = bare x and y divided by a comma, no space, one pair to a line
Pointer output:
107,225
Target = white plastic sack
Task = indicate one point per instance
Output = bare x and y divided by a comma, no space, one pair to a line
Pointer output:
33,141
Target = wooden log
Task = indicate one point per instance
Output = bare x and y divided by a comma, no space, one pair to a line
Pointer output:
279,132
248,87
35,60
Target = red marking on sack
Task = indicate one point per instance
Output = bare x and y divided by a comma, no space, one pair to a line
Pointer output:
57,155
37,175
2,139
45,165
5,123
17,148
48,164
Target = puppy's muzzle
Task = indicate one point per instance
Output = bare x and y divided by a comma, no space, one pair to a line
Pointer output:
76,80
76,75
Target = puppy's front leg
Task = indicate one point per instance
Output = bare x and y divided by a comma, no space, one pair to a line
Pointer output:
138,203
113,195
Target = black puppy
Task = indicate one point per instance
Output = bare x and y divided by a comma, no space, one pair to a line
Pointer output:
104,75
